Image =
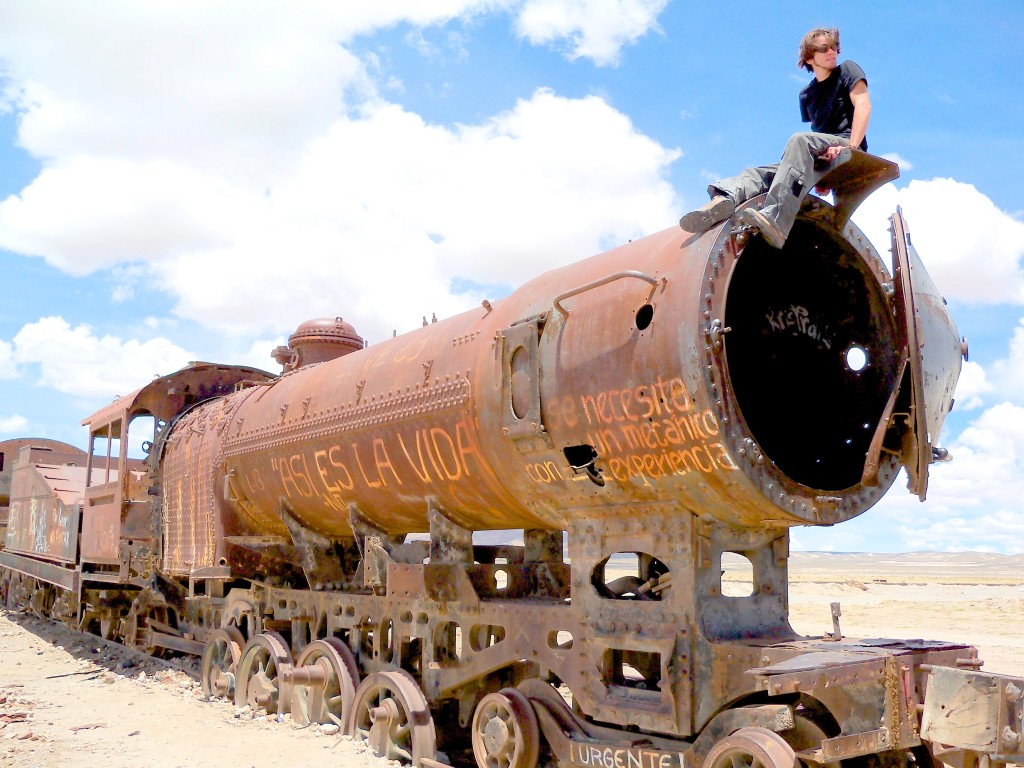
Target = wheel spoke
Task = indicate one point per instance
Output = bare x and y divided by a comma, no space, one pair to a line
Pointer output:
404,753
403,730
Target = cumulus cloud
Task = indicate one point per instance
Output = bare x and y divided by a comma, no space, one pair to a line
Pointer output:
596,29
78,362
91,213
262,179
235,87
257,355
973,501
972,385
12,425
381,192
1008,373
902,162
971,248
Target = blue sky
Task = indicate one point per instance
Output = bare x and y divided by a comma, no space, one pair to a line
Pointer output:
191,180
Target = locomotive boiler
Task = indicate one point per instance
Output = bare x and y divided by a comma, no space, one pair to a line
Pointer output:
322,536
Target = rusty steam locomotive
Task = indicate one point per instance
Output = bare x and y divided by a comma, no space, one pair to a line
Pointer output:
630,419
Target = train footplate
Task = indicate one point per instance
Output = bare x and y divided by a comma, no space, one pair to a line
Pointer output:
979,712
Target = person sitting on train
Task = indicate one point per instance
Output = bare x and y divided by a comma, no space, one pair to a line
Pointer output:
837,105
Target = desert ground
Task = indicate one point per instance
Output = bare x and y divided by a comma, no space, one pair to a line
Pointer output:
72,700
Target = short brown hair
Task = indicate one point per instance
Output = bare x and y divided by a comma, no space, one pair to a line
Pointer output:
808,44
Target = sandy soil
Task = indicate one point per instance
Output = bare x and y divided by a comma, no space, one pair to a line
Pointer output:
75,701
72,700
975,599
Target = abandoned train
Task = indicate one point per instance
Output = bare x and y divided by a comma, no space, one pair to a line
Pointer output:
315,535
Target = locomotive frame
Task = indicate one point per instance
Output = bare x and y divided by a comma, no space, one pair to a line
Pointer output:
433,646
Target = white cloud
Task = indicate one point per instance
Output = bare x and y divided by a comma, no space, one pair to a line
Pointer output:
972,384
383,193
595,29
971,248
90,213
77,362
260,188
13,425
976,501
902,162
258,354
236,87
1008,373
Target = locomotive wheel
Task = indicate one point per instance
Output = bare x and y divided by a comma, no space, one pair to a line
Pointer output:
137,633
329,698
752,748
258,679
109,623
505,731
390,715
806,734
220,662
19,591
41,601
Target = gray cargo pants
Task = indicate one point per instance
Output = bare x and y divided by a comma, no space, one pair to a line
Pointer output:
787,182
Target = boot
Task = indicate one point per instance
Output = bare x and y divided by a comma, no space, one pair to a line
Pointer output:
772,235
701,220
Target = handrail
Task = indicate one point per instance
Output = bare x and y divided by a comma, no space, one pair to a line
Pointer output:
654,281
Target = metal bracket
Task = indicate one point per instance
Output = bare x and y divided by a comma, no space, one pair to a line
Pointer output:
520,385
449,541
318,556
654,281
715,333
837,632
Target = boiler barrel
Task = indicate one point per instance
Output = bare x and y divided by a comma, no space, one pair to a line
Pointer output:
706,375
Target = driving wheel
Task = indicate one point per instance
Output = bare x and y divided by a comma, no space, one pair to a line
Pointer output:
138,629
220,662
258,679
505,731
752,748
807,734
323,683
390,715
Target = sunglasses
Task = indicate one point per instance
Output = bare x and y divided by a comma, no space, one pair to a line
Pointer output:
825,48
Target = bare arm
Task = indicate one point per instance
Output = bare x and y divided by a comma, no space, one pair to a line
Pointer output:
861,112
861,116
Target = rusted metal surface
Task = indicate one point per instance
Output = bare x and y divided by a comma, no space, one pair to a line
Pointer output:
42,451
975,711
933,376
628,421
121,521
191,492
50,573
46,501
316,341
675,388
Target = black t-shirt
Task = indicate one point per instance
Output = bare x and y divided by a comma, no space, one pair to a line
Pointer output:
826,104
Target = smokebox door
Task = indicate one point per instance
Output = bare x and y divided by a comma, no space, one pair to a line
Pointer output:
934,354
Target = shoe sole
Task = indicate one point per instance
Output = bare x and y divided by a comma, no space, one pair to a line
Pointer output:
771,234
703,219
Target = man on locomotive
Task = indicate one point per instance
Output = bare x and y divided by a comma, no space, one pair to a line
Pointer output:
837,106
